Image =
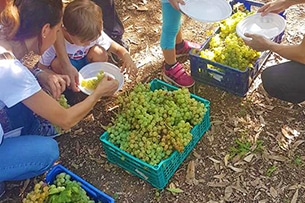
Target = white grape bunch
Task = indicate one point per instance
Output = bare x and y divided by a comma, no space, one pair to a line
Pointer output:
227,48
152,124
92,83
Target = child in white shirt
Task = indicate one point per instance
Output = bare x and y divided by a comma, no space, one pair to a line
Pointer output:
85,41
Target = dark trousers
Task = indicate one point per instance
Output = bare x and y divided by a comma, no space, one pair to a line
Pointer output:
113,26
285,81
18,116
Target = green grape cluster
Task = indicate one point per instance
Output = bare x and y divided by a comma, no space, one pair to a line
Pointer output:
64,103
39,193
227,48
63,190
92,83
152,124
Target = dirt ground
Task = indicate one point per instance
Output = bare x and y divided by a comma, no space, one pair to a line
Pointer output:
268,165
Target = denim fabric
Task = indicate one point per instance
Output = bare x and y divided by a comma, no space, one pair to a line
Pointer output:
19,116
170,26
26,156
78,64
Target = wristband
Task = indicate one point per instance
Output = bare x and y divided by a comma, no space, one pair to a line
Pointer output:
36,71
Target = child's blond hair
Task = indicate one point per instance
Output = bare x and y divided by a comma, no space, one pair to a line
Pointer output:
83,19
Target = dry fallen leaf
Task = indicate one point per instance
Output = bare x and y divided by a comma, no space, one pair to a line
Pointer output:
295,196
173,189
220,177
296,144
142,8
77,148
249,158
25,185
273,192
214,160
276,157
190,174
240,189
226,159
228,193
262,121
238,170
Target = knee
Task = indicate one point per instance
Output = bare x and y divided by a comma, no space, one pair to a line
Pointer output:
268,80
97,54
50,151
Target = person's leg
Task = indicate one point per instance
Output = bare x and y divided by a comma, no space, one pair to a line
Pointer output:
97,54
26,156
20,115
173,70
285,81
171,25
113,26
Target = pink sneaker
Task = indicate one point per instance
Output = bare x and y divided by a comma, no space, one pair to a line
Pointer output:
178,76
186,48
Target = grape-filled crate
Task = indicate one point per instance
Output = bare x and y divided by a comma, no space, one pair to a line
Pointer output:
224,60
156,130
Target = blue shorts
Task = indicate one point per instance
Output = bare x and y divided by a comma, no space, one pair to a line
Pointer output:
78,64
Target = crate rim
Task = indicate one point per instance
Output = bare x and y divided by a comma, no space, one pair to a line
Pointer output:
85,184
104,138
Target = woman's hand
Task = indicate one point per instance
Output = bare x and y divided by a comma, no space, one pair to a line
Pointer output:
258,42
129,67
107,87
54,83
274,7
175,3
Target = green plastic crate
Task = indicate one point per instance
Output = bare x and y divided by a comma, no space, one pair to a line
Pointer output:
158,175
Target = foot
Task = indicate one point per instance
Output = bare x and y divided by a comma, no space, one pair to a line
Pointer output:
46,129
114,58
177,75
183,50
120,41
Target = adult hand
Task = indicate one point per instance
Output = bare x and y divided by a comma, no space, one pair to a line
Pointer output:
54,83
107,87
128,66
72,72
175,3
257,42
274,7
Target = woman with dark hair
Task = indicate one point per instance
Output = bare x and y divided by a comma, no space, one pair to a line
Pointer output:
32,25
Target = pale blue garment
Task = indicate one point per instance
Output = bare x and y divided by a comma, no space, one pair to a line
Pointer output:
171,24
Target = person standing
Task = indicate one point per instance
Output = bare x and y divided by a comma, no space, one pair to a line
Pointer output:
173,45
113,25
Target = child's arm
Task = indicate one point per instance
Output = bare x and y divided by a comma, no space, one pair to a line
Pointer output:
128,65
67,67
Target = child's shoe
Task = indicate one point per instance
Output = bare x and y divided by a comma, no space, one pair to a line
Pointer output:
177,75
185,49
